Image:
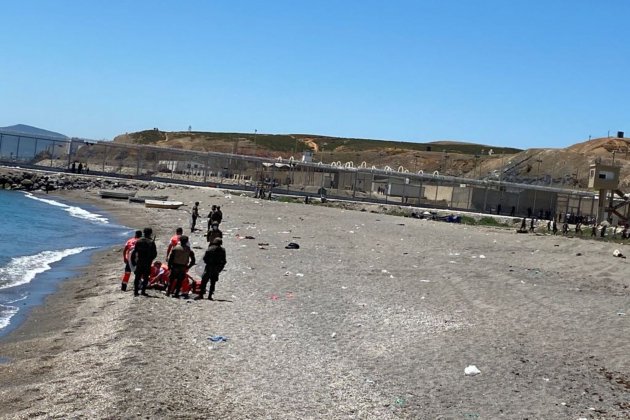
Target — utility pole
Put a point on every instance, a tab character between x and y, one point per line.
537	175
255	145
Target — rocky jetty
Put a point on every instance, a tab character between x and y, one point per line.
33	180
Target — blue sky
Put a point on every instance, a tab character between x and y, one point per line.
509	73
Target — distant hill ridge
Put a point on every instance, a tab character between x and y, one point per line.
32	131
296	143
567	167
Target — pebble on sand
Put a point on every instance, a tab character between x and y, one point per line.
472	370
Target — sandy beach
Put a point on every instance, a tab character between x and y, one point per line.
375	316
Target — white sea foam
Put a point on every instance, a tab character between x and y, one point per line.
18	299
21	270
74	211
6	313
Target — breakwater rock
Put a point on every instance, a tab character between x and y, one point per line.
33	180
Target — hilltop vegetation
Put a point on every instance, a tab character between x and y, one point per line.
566	167
272	144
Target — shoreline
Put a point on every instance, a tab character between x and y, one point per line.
374	316
71	267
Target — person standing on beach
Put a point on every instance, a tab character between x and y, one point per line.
195	216
142	256
180	260
215	261
214	232
174	241
219	216
210	215
129	246
216	216
46	184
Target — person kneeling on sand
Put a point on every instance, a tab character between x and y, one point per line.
142	257
215	262
180	260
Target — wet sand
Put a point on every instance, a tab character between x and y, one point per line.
375	316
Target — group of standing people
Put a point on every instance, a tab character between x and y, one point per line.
140	251
74	168
215	216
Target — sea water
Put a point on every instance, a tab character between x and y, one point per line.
44	240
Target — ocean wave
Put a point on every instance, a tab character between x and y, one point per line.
6	313
18	299
74	211
21	270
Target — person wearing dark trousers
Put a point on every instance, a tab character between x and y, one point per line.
195	216
180	260
211	215
143	254
215	261
127	251
216	216
214	232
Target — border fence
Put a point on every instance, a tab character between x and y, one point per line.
289	176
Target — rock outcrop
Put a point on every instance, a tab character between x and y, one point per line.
31	180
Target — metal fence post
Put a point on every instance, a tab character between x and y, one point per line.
138	151
485	200
104	158
437	187
69	154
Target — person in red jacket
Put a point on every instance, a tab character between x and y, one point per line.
174	241
131	242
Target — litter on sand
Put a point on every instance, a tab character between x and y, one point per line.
218	338
243	237
472	370
618	254
292	245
